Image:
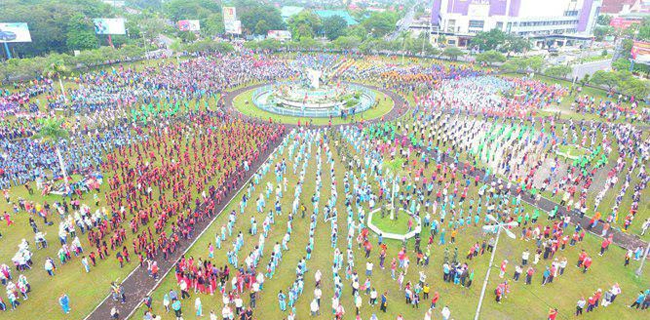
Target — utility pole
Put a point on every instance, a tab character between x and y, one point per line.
499	226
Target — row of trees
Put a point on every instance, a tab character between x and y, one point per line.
53	22
370	45
622	81
308	24
497	40
61	63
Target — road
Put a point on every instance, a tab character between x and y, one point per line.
404	23
590	68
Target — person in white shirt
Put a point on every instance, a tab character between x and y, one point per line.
314	307
226	313
317	277
317	295
446	313
427	315
369	266
239	304
198	306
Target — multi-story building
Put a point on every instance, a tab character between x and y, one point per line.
545	22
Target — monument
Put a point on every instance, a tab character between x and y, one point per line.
314	77
308	97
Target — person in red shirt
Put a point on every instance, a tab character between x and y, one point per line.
552	314
586	264
434	300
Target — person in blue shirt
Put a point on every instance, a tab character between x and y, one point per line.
639	300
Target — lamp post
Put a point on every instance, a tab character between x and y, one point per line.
639	271
491	228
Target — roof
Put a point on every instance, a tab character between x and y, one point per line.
341	13
615	6
288	11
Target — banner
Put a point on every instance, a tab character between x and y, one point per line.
641	52
279	35
109	26
14	32
230	22
229	14
189	25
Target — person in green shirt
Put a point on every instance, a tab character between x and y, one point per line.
535	215
470	278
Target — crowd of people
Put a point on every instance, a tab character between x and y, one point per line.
159	154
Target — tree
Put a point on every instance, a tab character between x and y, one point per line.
490	40
146	4
347	43
52	132
453	53
644	29
190	9
262	27
379	24
490	57
559	71
305	24
632	86
357	31
605	78
621	64
514	65
600	32
266	44
152	27
213	25
48	21
252	15
81	33
208	45
535	63
334	27
604	20
515	44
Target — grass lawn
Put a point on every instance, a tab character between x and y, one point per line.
244	104
523	302
399	225
571	152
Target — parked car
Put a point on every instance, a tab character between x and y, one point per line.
7	35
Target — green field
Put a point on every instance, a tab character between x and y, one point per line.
399	225
562	294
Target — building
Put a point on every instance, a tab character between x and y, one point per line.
545	22
624	7
324	14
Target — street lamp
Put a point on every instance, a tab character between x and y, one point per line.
491	228
639	271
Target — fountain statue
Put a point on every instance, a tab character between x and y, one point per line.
314	78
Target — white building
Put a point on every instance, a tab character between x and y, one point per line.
547	22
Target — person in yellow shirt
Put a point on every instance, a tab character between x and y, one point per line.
425	291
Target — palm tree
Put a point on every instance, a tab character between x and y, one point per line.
56	70
53	132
